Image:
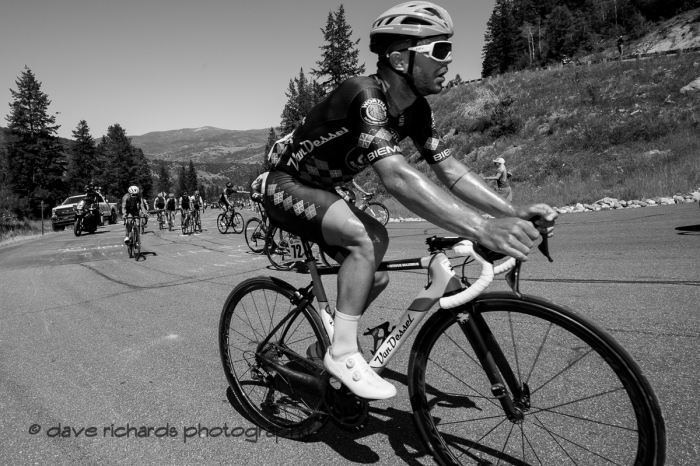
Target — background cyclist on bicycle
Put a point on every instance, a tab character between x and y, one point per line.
196	202
159	202
224	200
184	204
133	204
348	194
170	208
360	124
257	194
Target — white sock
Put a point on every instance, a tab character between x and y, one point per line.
344	335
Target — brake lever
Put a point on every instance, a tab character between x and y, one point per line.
544	244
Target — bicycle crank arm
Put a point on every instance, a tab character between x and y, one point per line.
307	380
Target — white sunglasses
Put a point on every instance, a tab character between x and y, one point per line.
440	50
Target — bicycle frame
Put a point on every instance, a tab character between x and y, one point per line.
442	282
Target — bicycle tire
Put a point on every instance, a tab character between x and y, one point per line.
378	211
237	223
130	245
137	243
254	236
588	379
221	223
277	249
252	310
198	223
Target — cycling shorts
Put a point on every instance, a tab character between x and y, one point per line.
301	210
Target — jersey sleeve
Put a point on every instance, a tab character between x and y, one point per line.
375	138
425	136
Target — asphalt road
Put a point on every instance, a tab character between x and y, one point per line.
92	339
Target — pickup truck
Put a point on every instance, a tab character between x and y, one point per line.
64	214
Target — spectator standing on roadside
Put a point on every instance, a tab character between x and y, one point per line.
501	178
620	43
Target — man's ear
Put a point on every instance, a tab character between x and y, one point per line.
396	61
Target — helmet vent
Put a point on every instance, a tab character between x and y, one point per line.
416	21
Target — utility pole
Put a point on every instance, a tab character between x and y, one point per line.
42	217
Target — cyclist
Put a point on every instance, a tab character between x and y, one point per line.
224	198
170	208
196	202
257	192
159	202
359	125
133	204
185	205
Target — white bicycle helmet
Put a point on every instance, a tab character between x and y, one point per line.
133	189
415	20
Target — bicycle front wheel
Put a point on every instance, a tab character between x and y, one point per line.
378	211
587	401
278	250
237	223
137	244
221	223
254	236
274	402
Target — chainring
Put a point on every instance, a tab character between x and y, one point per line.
347	410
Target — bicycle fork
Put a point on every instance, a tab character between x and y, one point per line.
494	363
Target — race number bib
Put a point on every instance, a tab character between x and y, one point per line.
295	248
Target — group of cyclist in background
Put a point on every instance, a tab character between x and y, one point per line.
164	205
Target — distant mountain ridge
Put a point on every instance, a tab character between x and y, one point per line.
204	145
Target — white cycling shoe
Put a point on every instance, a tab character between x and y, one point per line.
126	240
354	372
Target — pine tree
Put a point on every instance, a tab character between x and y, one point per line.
339	54
34	158
271	139
181	181
124	165
191	177
82	158
500	52
302	95
164	183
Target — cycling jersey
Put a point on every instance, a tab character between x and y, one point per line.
159	203
170	203
185	202
132	205
224	195
351	129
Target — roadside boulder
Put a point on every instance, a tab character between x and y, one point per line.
693	86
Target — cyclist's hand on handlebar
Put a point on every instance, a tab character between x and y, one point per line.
511	236
543	214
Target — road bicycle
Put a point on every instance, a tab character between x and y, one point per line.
186	222
493	378
374	208
255	232
160	214
133	247
229	219
196	220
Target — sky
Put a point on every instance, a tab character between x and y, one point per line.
158	65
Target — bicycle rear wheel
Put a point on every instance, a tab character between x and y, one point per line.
378	211
274	402
589	403
254	235
237	223
221	223
277	248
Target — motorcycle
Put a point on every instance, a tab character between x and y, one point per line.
86	218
